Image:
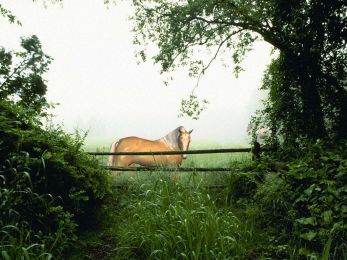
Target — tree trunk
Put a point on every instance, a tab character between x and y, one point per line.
302	70
342	117
313	121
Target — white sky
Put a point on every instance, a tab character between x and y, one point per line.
101	88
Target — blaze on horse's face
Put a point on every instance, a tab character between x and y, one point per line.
184	140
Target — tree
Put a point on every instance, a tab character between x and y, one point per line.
307	81
21	75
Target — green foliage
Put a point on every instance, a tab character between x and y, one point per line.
48	188
71	174
239	187
21	75
273	210
59	165
7	14
171	220
319	200
305	206
192	107
272	198
32	225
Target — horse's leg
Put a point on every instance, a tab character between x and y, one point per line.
119	161
123	161
132	173
175	176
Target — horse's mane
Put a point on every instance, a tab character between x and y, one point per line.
171	139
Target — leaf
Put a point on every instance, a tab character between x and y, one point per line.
5	255
307	221
309	235
327	216
304	251
326	250
310	189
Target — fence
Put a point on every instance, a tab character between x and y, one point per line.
255	150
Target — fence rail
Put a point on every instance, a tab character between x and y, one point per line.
167	169
231	150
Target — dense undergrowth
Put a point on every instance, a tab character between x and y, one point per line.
49	188
302	205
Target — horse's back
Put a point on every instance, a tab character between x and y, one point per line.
137	144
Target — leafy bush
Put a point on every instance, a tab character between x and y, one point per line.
241	186
306	206
32	225
272	200
69	172
49	186
319	197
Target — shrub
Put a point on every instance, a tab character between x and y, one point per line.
49	185
319	197
305	206
32	225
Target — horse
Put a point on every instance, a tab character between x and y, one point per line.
176	140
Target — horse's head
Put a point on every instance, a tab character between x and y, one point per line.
184	140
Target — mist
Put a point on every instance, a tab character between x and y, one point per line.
100	87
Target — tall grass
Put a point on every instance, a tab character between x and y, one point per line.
32	226
17	243
170	220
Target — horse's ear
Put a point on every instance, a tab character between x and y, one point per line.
182	130
190	131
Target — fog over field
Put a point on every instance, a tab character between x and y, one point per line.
101	88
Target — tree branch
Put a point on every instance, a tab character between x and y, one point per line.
215	56
248	26
14	72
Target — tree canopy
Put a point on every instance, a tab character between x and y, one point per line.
21	74
306	81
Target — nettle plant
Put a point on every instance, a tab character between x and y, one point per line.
319	196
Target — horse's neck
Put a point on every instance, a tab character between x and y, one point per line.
171	139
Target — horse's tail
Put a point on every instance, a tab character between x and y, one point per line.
110	161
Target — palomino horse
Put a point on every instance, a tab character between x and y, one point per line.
176	140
